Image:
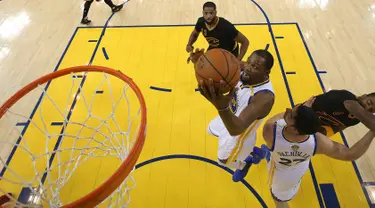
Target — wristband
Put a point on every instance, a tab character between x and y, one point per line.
223	109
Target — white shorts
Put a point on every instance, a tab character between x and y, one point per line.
232	148
285	182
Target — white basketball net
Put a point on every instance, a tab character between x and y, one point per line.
67	151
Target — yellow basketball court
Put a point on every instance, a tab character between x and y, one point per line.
177	166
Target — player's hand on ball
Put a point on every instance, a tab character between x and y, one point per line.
216	95
194	56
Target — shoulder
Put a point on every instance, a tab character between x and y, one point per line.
200	21
270	125
322	143
348	94
222	19
263	99
264	94
263	102
269	130
341	93
265	87
225	22
333	97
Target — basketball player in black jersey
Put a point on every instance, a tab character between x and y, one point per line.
339	109
87	6
219	33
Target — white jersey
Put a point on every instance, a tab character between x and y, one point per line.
289	162
240	101
238	147
243	96
291	155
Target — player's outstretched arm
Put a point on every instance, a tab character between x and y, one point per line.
244	45
192	38
367	118
341	152
259	106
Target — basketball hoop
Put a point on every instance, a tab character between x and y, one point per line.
96	126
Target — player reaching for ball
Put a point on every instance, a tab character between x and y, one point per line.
240	112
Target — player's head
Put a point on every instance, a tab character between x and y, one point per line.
302	120
368	102
258	65
209	12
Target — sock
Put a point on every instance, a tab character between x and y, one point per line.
109	3
86	9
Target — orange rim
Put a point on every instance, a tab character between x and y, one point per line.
103	191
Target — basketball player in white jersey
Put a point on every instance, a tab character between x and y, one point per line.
241	112
292	142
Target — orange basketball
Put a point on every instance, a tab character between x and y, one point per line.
218	64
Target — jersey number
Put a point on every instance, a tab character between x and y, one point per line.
288	162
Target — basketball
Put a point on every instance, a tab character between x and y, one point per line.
218	64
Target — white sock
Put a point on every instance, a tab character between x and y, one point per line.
236	164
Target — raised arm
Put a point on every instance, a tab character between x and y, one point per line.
193	37
259	106
240	38
341	152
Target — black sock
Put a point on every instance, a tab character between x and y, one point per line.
86	9
109	3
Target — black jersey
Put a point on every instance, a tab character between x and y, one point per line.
219	35
331	109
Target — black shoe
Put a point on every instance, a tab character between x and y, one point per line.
85	21
117	8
